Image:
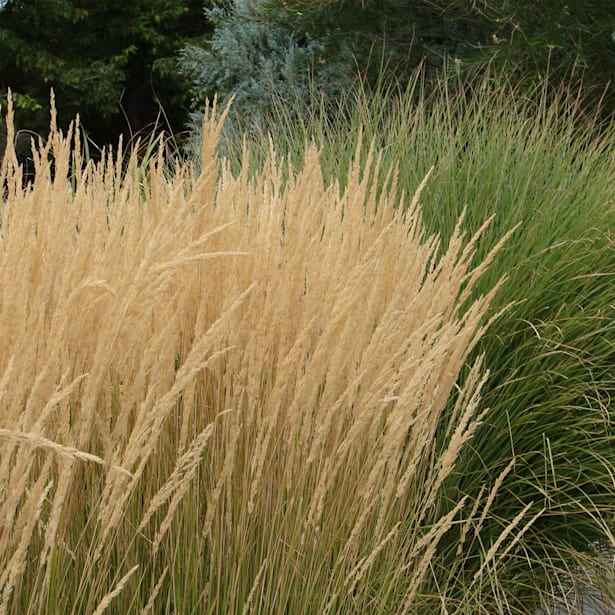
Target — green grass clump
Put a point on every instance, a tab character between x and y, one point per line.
541	163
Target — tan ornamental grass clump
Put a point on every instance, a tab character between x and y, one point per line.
226	394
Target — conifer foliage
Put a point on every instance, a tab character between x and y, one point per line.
111	62
259	57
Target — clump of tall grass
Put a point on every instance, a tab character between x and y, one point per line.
252	392
540	161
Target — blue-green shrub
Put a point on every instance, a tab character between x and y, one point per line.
262	60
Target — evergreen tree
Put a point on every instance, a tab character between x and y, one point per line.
261	58
111	61
571	41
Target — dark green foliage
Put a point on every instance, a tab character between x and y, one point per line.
396	34
572	42
111	62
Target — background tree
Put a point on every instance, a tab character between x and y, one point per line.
262	58
571	41
112	62
266	52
